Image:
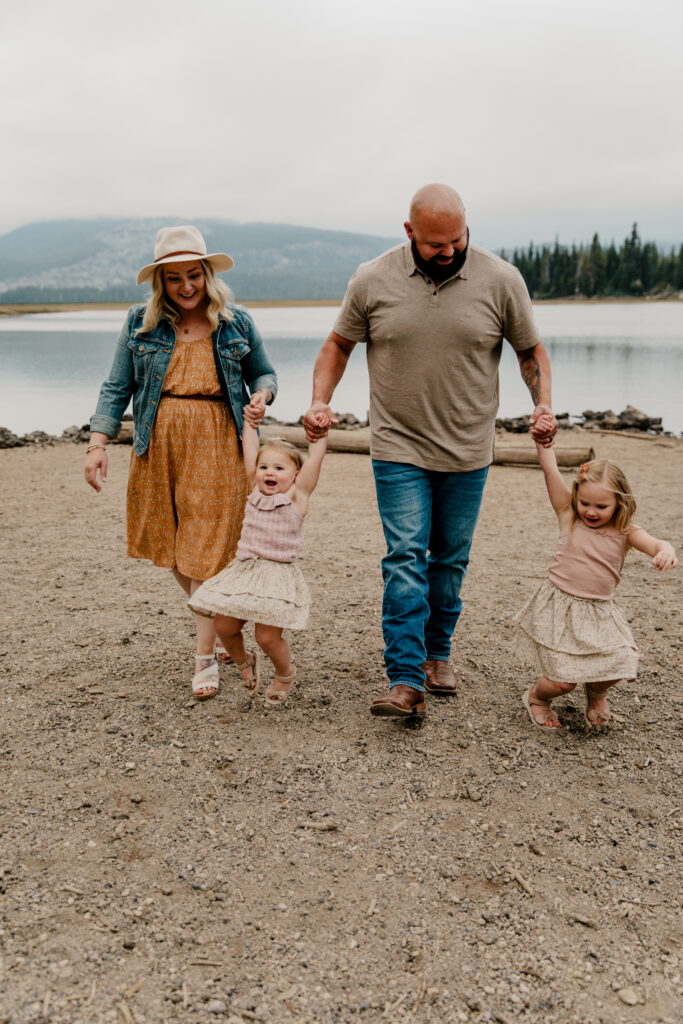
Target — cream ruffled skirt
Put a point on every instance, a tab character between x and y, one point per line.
258	590
575	640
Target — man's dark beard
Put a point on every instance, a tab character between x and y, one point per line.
439	272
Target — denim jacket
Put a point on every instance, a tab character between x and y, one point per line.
141	360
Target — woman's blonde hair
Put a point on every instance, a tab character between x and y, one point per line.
608	475
159	306
286	447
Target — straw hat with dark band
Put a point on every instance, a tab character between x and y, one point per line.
178	245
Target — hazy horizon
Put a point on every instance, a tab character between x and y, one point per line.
390	240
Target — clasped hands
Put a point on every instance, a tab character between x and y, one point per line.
319	418
256	410
543	426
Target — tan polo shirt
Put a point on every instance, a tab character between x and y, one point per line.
433	353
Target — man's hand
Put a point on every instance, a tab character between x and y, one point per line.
543	425
318	420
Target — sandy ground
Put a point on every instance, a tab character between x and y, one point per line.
164	860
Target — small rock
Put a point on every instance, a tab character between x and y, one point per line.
216	1006
136	798
129	944
628	996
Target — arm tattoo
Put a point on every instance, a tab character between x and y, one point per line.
531	374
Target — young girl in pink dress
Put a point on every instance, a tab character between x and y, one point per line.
262	583
571	629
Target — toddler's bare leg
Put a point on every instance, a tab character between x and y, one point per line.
271	640
229	631
597	712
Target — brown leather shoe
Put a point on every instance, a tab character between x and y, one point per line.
401	702
440	679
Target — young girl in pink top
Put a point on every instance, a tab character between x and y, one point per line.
571	629
262	583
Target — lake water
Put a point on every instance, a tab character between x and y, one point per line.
603	356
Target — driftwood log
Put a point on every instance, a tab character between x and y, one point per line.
358	442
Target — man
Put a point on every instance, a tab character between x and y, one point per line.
433	313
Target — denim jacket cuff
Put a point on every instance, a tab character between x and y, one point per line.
266	380
104	424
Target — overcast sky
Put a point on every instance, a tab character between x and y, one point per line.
550	118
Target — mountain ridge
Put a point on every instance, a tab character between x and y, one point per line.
98	259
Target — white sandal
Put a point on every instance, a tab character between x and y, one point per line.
206	678
253	661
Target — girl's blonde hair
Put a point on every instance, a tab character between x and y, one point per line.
286	447
608	475
159	307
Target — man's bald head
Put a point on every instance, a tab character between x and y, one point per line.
438	230
437	201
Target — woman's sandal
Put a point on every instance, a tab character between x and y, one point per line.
604	716
205	682
277	697
252	666
222	655
528	701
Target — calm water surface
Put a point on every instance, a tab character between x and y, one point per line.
603	356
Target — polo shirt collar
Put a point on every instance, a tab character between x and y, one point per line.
412	267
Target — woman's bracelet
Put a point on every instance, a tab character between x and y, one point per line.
92	447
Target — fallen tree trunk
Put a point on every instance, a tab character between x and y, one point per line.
358	442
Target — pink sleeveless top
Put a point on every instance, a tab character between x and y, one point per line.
271	529
588	562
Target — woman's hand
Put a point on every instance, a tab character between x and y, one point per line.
256	410
95	461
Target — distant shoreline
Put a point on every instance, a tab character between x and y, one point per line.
26	308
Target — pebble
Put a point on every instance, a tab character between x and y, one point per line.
216	1006
628	996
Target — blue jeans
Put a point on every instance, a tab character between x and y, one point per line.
422	510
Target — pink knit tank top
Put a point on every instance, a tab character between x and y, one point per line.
271	529
588	562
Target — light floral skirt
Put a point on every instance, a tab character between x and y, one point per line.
574	639
258	590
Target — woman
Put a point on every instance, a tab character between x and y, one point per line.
195	367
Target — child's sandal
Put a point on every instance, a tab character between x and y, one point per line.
530	702
250	670
277	697
205	681
603	716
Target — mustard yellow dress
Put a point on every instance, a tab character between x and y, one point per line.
186	494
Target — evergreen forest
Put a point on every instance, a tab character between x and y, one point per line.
636	268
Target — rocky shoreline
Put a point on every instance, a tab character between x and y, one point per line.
630	419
